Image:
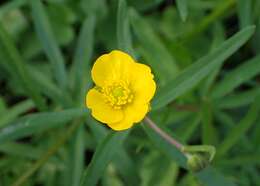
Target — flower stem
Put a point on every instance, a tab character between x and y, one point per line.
163	134
198	156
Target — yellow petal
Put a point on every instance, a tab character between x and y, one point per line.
132	114
101	111
113	66
142	83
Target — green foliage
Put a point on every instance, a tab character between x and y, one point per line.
205	58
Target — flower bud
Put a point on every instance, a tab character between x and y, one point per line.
197	162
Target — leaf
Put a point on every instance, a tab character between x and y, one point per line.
154	51
183	9
81	61
125	166
45	34
238	99
241	128
211	177
11	113
22	150
209	132
102	157
244	9
2	105
47	87
165	147
11	58
241	74
76	158
34	123
124	39
191	76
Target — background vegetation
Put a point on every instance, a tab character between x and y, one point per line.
205	57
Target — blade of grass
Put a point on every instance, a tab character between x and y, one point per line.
182	8
49	88
81	61
122	161
238	99
52	150
34	123
124	40
228	122
211	177
126	168
2	105
244	9
241	128
241	74
209	133
11	113
102	157
50	46
242	160
11	57
76	166
191	76
153	48
22	150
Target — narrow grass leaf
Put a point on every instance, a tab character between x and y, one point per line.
238	76
242	160
104	153
81	61
244	9
237	99
48	87
10	56
182	8
28	151
123	163
2	105
209	132
50	46
34	123
190	77
241	128
126	168
11	113
76	158
211	177
124	40
154	51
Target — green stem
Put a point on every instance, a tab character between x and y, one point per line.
187	150
163	134
52	150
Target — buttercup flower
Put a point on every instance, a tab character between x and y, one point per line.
123	91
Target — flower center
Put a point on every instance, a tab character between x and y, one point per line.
117	94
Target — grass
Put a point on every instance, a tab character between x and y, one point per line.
205	58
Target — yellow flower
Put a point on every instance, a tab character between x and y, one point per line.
123	90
